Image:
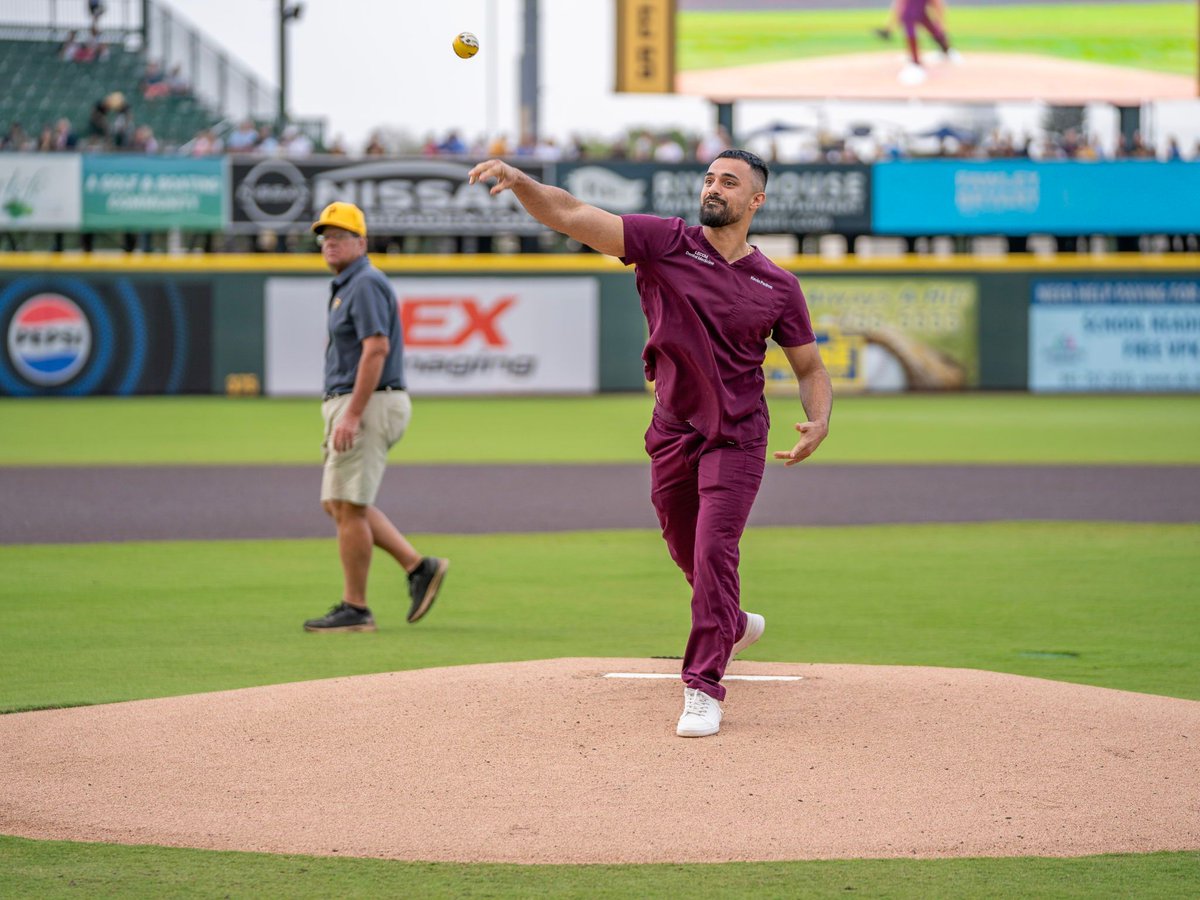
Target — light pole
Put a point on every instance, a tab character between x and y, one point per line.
287	13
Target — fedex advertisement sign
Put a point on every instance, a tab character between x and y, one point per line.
461	335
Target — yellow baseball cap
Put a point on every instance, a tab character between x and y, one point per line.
342	215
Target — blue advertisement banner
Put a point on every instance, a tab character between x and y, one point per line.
153	193
1023	197
77	336
1115	335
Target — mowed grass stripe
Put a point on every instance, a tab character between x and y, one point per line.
54	869
967	428
1102	604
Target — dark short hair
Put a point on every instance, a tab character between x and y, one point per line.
753	160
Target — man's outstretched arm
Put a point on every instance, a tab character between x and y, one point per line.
555	208
816	396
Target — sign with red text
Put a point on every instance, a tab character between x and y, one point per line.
461	335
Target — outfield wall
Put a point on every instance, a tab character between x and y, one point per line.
126	325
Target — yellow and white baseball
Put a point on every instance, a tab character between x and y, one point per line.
466	45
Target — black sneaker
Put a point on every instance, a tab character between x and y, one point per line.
424	582
343	617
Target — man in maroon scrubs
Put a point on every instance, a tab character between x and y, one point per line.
929	14
711	300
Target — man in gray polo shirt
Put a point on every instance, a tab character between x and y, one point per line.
366	410
711	299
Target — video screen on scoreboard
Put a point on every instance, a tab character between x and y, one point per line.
1064	52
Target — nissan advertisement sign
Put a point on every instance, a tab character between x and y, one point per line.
398	196
801	199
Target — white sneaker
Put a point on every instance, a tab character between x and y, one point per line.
701	714
755	626
954	57
912	74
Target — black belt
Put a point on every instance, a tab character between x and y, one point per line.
329	395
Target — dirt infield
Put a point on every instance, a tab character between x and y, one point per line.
980	76
67	505
548	762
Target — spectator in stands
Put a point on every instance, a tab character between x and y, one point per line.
546	149
242	139
97	130
1137	148
120	122
110	121
668	151
94	48
295	143
577	148
17	140
453	145
96	11
205	143
154	81
177	85
337	148
268	144
45	141
70	49
1174	154
713	145
375	146
64	136
641	146
499	147
1090	150
144	140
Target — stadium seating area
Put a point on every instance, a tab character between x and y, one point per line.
38	87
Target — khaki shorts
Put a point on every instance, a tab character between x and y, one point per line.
355	475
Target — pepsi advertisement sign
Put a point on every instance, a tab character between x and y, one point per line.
49	339
82	336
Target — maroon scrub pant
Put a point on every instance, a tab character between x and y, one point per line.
702	491
910	30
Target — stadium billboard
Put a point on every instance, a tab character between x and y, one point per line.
76	336
152	193
1023	197
1057	51
461	335
397	196
1114	335
801	199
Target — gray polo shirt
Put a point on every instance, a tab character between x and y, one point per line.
361	304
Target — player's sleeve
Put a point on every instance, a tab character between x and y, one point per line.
374	307
648	238
794	326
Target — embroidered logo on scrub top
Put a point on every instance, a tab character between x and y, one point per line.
758	280
700	256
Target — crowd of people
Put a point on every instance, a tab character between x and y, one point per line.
111	127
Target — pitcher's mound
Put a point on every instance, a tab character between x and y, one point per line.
549	762
980	76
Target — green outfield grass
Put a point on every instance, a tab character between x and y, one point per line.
969	428
1095	603
53	869
1156	36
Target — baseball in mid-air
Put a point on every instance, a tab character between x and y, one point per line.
466	45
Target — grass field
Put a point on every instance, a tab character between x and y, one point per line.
1095	603
1157	36
992	428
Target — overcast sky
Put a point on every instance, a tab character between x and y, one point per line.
362	64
